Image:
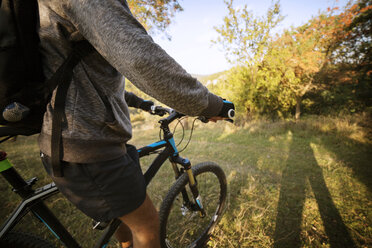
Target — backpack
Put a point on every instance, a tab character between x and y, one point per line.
21	77
24	92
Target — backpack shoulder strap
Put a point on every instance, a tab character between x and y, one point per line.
62	78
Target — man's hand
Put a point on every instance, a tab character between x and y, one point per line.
146	105
227	112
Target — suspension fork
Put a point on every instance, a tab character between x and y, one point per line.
185	163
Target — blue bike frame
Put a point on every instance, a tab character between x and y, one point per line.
33	199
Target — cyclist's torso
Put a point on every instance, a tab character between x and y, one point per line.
91	132
111	28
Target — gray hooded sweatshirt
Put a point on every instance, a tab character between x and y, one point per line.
91	131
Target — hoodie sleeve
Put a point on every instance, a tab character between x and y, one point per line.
115	33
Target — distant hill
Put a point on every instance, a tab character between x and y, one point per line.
209	79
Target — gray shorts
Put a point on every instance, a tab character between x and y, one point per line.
103	190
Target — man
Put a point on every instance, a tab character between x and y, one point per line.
101	175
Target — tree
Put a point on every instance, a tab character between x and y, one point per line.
155	15
244	36
245	39
327	41
298	55
350	57
353	39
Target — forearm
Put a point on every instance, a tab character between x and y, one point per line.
137	102
132	100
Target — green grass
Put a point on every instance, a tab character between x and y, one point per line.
305	184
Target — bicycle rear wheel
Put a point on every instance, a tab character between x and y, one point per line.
180	225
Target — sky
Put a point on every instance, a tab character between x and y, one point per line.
192	29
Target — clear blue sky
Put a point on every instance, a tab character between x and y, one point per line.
192	30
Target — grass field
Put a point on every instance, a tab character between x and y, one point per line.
304	184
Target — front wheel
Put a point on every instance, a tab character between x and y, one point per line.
181	224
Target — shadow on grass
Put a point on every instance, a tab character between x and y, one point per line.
292	199
357	160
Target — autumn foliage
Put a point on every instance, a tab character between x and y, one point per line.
155	15
322	66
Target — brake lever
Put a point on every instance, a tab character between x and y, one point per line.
152	110
161	113
203	119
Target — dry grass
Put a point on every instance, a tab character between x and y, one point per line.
304	184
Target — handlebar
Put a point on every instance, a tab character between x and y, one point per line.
161	111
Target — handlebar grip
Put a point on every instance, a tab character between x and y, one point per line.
152	109
146	105
228	110
231	113
158	110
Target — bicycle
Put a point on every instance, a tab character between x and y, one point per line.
188	214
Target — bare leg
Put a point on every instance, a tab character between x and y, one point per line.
124	236
144	224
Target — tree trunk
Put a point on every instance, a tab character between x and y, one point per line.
298	108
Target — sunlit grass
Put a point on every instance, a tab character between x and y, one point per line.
304	184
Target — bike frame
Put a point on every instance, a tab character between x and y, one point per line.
33	199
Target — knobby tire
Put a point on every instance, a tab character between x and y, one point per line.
186	228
